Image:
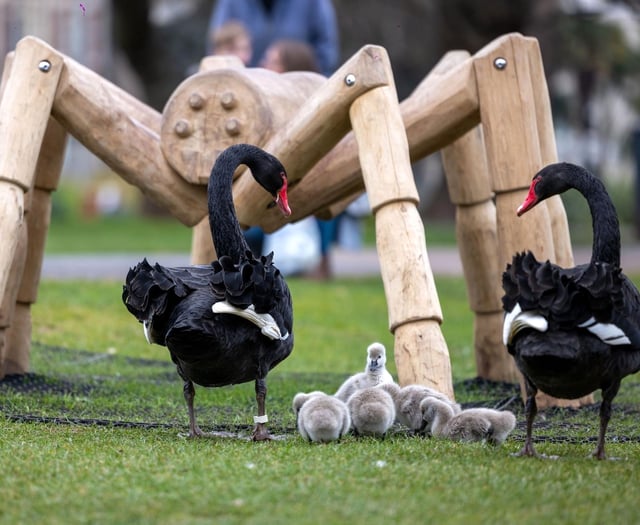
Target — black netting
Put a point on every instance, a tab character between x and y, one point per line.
78	387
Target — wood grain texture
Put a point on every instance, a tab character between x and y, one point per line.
412	299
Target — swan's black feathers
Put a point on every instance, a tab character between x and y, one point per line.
232	282
150	290
268	284
627	317
254	281
570	297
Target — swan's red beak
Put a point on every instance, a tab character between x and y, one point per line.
282	199
530	201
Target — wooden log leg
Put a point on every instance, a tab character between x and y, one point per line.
25	283
25	106
477	243
422	357
415	315
8	61
8	303
491	362
202	250
420	350
11	221
18	335
38	216
37	220
469	184
22	290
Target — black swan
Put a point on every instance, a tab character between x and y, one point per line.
572	330
229	322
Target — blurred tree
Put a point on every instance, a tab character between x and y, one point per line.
470	25
132	32
162	51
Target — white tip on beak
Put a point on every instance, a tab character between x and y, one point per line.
145	329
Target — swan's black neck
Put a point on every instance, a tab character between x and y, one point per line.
606	229
228	238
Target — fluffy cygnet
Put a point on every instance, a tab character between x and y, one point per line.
372	411
472	424
375	373
407	401
321	417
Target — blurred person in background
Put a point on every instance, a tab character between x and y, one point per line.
310	21
232	38
290	55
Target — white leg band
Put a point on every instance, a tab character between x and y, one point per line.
260	419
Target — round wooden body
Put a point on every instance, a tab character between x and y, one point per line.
214	109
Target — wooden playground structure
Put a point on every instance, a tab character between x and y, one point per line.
489	113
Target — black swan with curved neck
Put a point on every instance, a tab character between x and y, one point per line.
572	330
229	322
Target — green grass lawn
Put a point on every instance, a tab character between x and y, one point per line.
105	235
93	366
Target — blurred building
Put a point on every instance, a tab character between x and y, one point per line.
81	30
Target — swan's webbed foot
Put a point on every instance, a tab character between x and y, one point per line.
600	454
528	450
260	433
195	433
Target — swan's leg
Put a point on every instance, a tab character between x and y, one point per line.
531	409
189	393
260	432
608	393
